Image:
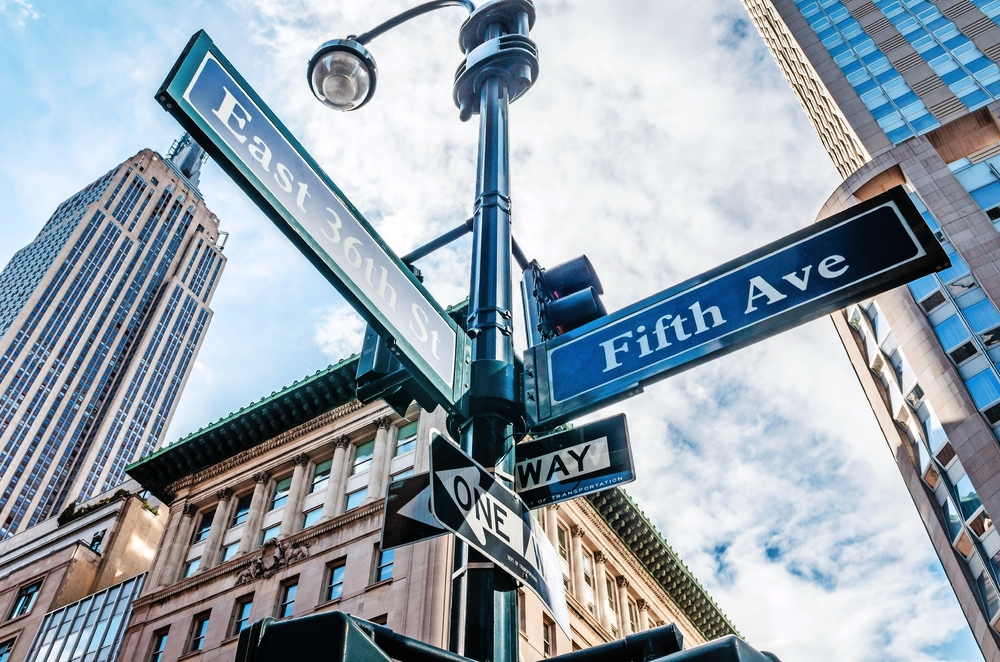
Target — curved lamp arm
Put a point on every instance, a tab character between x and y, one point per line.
411	13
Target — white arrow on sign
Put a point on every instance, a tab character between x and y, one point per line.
419	509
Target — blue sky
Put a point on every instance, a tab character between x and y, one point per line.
660	140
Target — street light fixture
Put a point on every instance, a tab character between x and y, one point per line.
342	73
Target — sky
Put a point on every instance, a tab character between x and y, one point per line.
660	140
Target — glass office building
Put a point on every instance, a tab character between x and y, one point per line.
905	92
101	318
89	630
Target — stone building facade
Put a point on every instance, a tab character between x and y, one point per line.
277	511
109	540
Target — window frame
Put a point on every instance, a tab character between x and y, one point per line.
367	462
237	512
320	481
158	645
380	565
409	440
201	532
278	495
329	584
202	619
263	532
283	602
30	590
9	644
234	630
190	567
363	491
548	637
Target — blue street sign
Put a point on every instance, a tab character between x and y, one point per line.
206	94
571	463
877	245
468	501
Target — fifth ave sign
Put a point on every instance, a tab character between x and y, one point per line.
874	246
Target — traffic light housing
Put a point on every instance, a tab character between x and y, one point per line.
560	299
381	375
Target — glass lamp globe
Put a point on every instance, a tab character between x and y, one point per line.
342	74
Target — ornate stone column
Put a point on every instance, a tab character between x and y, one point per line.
552	525
180	543
335	485
251	528
643	607
219	523
577	550
600	578
379	456
290	520
626	624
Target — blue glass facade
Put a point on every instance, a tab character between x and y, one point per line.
91	346
896	108
89	630
972	76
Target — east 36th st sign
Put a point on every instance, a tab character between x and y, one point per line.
206	94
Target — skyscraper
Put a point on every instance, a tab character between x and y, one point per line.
904	92
101	318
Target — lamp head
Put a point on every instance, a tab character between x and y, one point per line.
342	74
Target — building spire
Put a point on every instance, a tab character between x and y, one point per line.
187	156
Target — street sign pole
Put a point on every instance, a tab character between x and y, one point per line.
484	598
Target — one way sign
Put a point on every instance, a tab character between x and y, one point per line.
408	518
468	501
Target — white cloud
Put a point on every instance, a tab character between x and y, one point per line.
340	333
18	12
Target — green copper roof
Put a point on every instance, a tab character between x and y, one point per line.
639	534
279	412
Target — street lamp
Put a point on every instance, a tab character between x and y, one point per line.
501	64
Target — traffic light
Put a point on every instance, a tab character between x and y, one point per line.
381	375
560	299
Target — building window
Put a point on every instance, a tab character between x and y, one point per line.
633	616
281	489
989	595
270	532
155	651
383	568
311	517
335	581
588	570
96	540
287	604
610	587
25	600
354	499
406	438
405	473
204	526
241	615
522	615
321	476
5	650
191	567
242	510
363	457
198	631
548	638
561	537
229	551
